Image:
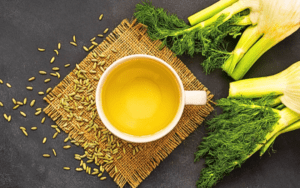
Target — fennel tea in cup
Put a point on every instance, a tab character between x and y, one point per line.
140	98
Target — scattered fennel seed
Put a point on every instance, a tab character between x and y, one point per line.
73	43
100	17
52	59
31	79
41	49
105	31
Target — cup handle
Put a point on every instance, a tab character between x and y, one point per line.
195	97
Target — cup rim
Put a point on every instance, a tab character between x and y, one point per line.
128	137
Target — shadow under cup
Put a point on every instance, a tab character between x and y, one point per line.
140	97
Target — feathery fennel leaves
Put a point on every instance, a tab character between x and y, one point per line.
266	23
209	40
242	129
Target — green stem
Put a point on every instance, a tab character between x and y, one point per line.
288	129
228	13
257	50
210	11
249	37
257	87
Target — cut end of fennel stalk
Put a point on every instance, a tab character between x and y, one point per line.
286	83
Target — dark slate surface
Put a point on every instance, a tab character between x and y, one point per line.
27	25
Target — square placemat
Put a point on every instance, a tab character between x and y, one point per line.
72	107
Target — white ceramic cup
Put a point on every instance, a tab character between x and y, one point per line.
186	98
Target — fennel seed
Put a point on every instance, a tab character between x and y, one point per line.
25	133
32	103
8	85
43	120
31	79
48	90
25	101
44	140
58	75
52	59
102	178
67	147
41	49
94	43
9	118
58	46
105	31
67	65
33	128
47	80
41	93
1	104
55	68
91	47
14	100
55	135
56	51
93	39
73	43
85	48
29	88
79	169
19	103
46	155
101	168
57	130
100	35
100	17
16	107
54	152
74	38
22	113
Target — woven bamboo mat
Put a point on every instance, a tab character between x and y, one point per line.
72	107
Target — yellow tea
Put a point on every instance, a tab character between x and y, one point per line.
140	97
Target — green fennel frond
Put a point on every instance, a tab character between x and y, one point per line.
184	39
234	136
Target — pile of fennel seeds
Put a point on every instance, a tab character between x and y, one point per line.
79	105
93	153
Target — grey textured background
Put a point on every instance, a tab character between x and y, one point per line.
27	25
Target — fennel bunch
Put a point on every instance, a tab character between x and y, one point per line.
262	24
245	127
253	117
206	38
